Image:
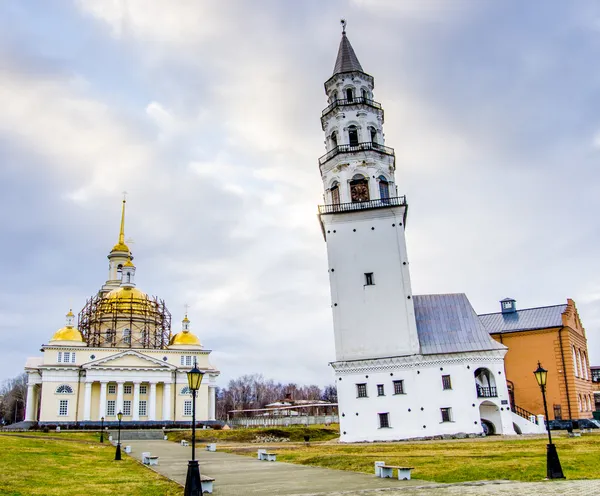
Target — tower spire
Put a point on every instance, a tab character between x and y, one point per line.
346	60
121	246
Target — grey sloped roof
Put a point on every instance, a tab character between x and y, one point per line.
447	323
347	60
526	319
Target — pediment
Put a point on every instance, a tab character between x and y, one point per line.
128	359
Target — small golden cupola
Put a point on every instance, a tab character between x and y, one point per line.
185	340
68	335
118	257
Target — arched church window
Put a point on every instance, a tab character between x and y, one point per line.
359	189
335	193
384	188
186	390
334	140
127	336
353	135
64	389
350	95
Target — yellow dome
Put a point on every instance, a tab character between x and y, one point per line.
67	334
128	300
129	263
120	247
184	337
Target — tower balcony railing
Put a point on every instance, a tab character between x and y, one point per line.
353	101
486	392
334	208
358	147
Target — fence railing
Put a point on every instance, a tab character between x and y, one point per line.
285	421
358	147
486	392
335	208
352	101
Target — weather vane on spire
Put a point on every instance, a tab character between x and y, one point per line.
343	23
124	195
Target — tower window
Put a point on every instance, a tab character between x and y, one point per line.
446	384
398	387
334	141
384	420
369	279
359	189
350	95
364	94
361	390
373	134
446	414
335	194
380	390
353	135
127	336
384	188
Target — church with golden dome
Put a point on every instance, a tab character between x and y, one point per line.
120	357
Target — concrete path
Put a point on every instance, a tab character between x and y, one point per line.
245	476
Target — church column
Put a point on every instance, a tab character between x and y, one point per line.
136	401
212	402
152	402
166	409
30	406
119	397
87	401
102	409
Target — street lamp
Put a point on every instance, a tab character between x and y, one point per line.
193	486
102	429
553	468
118	452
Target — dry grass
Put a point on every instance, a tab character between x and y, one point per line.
494	458
73	464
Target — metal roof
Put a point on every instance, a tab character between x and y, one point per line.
347	60
526	319
447	323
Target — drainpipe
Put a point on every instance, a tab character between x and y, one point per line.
175	396
562	354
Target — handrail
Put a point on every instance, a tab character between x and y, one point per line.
358	147
336	208
353	101
522	412
486	392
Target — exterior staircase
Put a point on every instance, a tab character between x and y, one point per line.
526	421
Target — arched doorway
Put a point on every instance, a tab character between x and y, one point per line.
491	422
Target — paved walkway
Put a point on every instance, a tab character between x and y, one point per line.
245	476
241	475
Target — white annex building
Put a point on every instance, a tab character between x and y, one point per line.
121	357
407	366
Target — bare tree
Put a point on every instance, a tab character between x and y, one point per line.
14	394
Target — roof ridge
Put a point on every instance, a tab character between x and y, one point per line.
524	309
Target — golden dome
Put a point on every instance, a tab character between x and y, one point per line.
120	247
70	314
129	263
67	334
184	337
128	300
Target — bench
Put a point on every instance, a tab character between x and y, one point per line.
211	447
207	483
184	443
152	460
387	471
264	455
127	449
145	456
574	434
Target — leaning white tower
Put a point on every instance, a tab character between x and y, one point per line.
363	221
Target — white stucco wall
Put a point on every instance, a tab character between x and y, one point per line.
424	397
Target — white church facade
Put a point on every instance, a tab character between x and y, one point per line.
121	357
407	366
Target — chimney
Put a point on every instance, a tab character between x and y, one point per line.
508	305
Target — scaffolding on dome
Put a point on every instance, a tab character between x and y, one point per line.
134	322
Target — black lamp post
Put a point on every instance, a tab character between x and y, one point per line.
102	429
193	486
553	468
118	452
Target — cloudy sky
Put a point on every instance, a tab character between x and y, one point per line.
207	113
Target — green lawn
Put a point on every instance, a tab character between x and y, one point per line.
73	464
522	459
248	435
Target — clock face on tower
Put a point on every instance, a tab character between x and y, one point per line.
359	191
